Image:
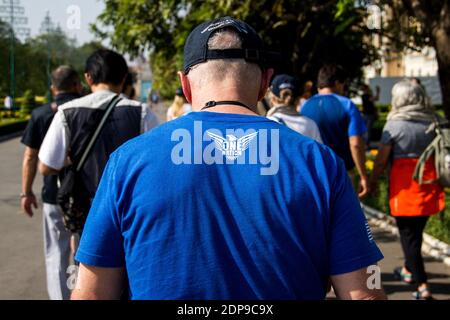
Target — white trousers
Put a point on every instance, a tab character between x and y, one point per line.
58	252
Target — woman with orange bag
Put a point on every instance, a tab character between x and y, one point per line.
405	136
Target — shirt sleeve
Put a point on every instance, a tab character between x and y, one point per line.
357	126
390	133
101	243
54	148
32	136
352	246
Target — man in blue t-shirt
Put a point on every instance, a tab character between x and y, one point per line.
222	203
340	123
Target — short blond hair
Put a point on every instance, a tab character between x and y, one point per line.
212	71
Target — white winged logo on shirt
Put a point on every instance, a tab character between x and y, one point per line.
232	147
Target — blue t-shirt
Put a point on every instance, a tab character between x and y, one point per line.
338	119
189	222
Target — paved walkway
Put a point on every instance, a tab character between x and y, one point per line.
438	273
22	272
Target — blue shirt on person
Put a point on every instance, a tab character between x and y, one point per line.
196	229
338	119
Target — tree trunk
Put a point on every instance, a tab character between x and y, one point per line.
442	46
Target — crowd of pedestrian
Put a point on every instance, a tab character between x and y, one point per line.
189	209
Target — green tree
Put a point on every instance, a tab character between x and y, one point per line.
31	59
80	54
418	23
28	103
4	59
33	75
307	32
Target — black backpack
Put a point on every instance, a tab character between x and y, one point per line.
72	195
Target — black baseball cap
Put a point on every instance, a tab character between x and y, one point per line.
196	47
285	81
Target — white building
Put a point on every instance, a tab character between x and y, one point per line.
394	65
420	64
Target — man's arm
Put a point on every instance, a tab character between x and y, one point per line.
358	150
29	168
94	283
355	286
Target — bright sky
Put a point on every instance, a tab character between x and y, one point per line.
64	13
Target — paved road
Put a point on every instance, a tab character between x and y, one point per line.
22	273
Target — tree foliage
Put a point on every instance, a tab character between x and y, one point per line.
31	59
4	57
309	33
417	23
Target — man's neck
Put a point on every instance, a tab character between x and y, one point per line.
199	101
106	87
64	92
326	90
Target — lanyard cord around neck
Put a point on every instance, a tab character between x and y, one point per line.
211	104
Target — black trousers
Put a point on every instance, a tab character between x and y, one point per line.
411	237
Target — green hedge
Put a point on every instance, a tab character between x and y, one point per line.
13	127
28	103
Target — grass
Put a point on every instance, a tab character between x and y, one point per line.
380	199
439	225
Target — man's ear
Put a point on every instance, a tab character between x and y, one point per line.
122	84
265	82
88	78
185	84
339	87
53	90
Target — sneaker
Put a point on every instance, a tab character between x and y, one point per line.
422	294
399	274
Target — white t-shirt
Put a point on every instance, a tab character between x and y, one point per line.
8	102
296	122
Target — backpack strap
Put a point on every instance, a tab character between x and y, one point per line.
109	108
433	148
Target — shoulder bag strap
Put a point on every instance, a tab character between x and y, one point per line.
115	100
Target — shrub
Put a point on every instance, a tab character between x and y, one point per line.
28	103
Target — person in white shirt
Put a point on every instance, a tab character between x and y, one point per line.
284	96
179	107
8	103
74	123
